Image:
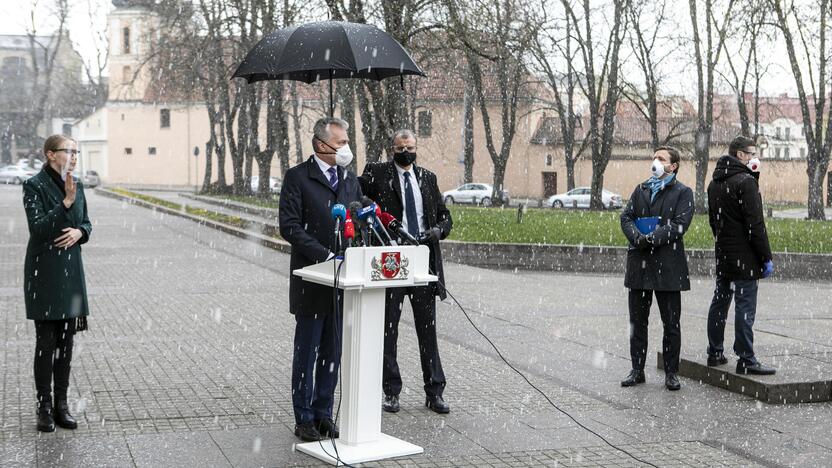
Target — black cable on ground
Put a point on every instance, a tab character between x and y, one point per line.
542	393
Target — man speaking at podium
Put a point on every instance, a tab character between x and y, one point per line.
411	194
309	192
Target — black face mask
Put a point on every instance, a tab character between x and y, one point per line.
405	158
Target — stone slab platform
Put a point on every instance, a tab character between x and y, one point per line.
800	378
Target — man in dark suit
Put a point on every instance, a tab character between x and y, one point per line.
309	191
411	194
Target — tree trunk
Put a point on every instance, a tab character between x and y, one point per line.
700	156
468	131
570	173
817	174
206	179
499	179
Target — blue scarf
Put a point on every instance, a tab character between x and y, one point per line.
656	185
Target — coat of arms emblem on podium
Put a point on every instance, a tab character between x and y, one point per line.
389	266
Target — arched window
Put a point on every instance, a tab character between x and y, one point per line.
125	40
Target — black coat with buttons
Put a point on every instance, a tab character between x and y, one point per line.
662	265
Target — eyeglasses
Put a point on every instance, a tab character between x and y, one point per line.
69	151
400	149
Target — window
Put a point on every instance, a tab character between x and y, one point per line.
128	151
122	117
802	152
126	74
786	152
777	133
549	159
66	129
776	152
151	150
164	118
425	121
788	132
125	41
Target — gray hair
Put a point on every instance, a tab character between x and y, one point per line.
403	133
321	129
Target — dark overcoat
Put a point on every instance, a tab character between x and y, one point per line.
735	212
54	285
306	201
380	182
662	266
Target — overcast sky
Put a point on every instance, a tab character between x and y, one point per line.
681	76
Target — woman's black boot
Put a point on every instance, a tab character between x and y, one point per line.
46	419
62	416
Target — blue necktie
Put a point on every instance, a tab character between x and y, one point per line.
333	178
410	207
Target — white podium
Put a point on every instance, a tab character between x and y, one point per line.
365	274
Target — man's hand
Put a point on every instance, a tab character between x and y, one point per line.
69	237
643	242
434	234
70	188
768	269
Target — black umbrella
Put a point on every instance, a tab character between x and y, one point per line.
326	50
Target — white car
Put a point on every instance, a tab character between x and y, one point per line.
15	174
274	183
477	194
581	196
25	163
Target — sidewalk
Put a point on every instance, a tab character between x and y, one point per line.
188	358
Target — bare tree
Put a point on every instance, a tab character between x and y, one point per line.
706	62
43	53
745	64
554	46
602	90
810	56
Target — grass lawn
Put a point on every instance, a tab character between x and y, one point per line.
212	215
270	202
548	226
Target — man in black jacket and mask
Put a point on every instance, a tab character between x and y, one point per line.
656	262
411	194
743	254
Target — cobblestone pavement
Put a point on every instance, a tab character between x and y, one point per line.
188	358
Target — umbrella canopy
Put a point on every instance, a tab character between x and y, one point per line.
326	50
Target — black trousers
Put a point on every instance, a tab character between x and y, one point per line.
53	355
670	308
423	301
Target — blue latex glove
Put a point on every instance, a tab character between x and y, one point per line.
768	269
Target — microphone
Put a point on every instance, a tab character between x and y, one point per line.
368	215
355	207
339	214
380	227
394	225
349	231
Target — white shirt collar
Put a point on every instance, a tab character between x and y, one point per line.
401	171
323	165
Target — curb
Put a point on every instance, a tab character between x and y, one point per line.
264	240
268	213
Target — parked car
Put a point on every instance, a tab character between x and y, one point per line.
92	179
25	163
581	196
15	174
476	193
274	183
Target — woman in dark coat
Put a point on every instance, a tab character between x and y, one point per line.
54	285
656	262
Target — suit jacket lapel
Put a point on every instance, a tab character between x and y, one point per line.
393	175
315	173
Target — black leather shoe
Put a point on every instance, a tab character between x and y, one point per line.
62	416
307	432
46	419
635	377
671	381
754	368
437	404
390	403
717	360
328	429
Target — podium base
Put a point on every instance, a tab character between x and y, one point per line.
385	447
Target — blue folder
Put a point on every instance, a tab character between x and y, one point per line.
647	225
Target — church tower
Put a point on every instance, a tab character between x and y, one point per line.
130	28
